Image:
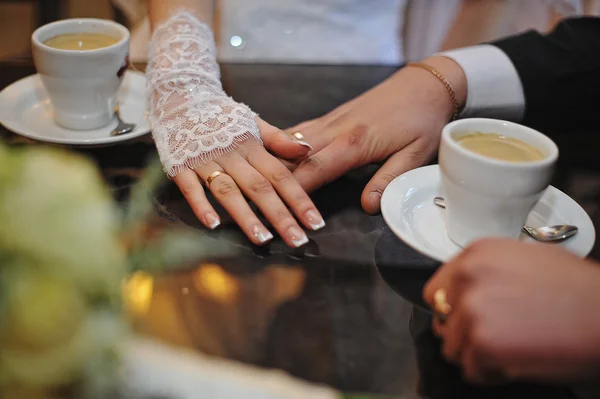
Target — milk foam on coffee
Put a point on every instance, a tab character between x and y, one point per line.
500	147
81	41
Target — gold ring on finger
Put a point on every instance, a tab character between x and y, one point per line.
298	136
440	305
213	176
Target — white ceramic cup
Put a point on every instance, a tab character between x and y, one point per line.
82	84
486	197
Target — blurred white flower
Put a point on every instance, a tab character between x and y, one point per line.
59	213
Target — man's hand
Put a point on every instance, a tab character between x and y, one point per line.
520	311
398	121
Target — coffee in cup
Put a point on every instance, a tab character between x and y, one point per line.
500	147
81	63
81	41
493	174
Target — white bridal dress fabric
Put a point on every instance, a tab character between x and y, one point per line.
296	31
387	32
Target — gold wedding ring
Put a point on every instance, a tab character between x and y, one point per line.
298	136
213	176
440	305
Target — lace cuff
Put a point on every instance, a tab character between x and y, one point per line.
193	120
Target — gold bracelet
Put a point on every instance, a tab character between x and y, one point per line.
444	81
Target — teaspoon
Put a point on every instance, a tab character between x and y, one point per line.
545	233
122	127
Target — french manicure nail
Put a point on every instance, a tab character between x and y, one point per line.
299	138
297	236
212	220
305	144
315	220
261	234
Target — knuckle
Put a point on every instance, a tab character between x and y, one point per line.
227	188
249	148
418	156
357	135
260	185
302	203
313	164
187	190
282	215
281	175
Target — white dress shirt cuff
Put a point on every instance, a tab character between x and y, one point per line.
494	89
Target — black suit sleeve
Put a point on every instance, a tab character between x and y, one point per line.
560	73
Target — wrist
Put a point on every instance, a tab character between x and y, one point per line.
441	82
450	70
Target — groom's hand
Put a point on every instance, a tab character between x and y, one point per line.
399	122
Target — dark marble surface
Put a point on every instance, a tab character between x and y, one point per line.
338	311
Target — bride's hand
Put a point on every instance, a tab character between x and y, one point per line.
205	137
252	171
398	122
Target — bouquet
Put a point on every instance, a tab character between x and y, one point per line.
67	254
66	251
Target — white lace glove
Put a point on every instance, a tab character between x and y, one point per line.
193	120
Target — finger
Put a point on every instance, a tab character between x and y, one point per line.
288	188
441	279
454	333
259	189
318	132
229	195
291	166
192	190
443	307
470	366
444	279
328	164
301	126
323	120
408	158
280	143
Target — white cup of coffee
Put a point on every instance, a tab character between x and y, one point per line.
81	63
493	174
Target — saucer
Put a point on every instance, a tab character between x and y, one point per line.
408	209
26	110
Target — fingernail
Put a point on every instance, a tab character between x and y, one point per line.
297	236
261	234
299	138
374	199
315	220
305	144
211	220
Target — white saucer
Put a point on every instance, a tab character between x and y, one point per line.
25	109
408	209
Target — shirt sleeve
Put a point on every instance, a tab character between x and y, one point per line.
494	89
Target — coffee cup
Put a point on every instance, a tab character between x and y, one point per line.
490	187
82	79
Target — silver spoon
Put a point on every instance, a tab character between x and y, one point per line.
545	233
122	127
